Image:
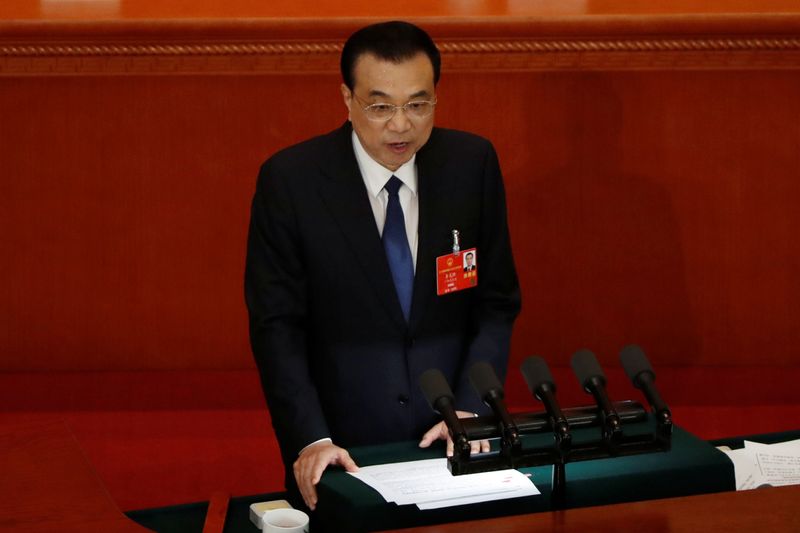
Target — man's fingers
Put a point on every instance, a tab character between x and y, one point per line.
302	476
346	462
439	431
307	488
316	471
474	447
428	438
310	497
311	464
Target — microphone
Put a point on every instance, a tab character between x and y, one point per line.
543	388
436	390
485	382
643	378
593	381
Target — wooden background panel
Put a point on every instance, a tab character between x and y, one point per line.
125	212
155	9
650	207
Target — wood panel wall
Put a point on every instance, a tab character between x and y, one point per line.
651	165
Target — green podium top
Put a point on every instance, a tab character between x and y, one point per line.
692	466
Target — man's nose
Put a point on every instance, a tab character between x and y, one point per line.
399	121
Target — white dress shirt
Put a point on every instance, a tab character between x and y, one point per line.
375	177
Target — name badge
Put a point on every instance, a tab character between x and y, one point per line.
456	271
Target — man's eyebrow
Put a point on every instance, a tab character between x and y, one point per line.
382	94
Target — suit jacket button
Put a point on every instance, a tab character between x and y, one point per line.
402	399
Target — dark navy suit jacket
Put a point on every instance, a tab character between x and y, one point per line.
335	355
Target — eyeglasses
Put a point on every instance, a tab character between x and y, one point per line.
383	112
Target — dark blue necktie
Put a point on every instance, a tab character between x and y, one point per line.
395	244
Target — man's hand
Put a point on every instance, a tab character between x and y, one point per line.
312	463
439	432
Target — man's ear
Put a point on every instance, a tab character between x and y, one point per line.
347	95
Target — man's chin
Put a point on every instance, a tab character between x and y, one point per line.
393	162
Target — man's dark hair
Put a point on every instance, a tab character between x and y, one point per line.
394	41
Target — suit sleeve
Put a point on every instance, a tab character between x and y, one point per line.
498	292
276	296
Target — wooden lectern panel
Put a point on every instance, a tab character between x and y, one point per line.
773	510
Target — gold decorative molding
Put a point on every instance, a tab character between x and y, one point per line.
322	56
637	45
209	49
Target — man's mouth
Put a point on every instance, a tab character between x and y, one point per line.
398	148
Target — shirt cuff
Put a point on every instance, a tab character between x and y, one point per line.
326	439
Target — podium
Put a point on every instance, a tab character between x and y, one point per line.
692	466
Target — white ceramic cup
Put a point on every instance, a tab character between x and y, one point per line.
285	521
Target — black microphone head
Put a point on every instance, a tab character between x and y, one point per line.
536	373
585	366
484	380
434	386
635	362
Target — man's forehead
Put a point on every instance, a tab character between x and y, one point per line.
382	77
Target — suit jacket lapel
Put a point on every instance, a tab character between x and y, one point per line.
345	195
432	216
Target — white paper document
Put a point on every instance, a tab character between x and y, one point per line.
430	485
766	464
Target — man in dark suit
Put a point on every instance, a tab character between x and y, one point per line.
341	278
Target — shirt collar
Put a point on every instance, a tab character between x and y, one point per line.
376	175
